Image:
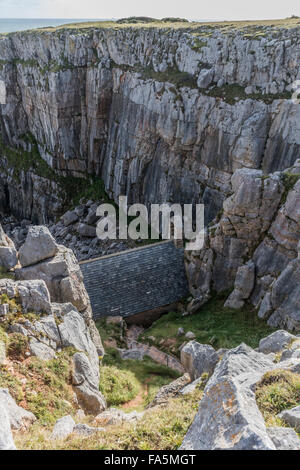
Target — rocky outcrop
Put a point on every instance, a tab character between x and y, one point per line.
60	271
228	416
160	115
253	247
198	359
52	287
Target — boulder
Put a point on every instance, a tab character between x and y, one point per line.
86	385
69	218
169	391
19	418
190	388
292	352
39	245
8	252
276	342
190	335
284	438
2	352
228	416
85	431
4	310
63	428
86	231
133	354
34	297
198	359
291	417
115	417
6	437
41	350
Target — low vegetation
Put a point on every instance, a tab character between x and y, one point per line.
160	429
5	275
132	381
278	390
213	324
71	189
42	387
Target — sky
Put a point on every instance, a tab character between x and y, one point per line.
191	9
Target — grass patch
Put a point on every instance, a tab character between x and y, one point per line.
118	386
42	387
277	391
5	274
160	429
146	377
213	324
235	92
289	180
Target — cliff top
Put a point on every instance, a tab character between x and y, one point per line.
250	28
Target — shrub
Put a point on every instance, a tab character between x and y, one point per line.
118	386
17	345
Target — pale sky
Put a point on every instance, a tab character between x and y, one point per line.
191	9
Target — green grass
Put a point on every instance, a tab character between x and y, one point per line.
278	390
121	381
213	324
118	386
5	274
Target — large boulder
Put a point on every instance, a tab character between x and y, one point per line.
8	252
63	428
276	342
198	359
86	385
6	437
292	417
39	245
18	417
228	417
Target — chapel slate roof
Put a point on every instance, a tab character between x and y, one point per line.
136	281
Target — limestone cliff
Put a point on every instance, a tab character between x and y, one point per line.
160	114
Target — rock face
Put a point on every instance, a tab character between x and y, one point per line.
253	247
194	113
